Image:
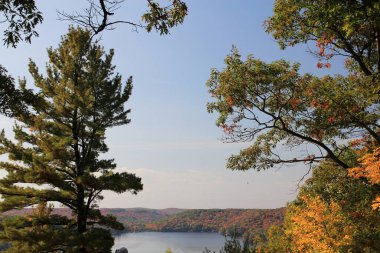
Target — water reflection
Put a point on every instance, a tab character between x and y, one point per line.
158	242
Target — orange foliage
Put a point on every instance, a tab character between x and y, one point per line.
316	226
369	169
309	92
314	102
376	203
357	142
324	105
331	119
323	45
229	101
294	102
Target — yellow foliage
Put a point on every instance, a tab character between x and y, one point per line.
317	226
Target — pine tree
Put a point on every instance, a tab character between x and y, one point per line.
58	145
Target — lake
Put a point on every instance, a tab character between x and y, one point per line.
158	242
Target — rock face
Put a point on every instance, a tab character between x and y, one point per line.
121	250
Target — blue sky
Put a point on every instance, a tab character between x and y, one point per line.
172	142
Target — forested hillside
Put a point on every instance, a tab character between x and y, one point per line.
188	220
220	220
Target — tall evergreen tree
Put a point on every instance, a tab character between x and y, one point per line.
59	141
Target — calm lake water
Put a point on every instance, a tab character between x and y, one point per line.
158	242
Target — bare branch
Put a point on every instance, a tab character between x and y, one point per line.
97	16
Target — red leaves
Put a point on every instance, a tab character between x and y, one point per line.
228	129
324	44
357	142
325	65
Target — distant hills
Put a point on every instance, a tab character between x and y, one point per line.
188	220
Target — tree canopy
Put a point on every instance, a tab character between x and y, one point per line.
329	122
59	141
98	16
272	104
21	17
338	27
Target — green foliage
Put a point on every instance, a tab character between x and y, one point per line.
39	231
276	240
13	100
163	18
160	16
8	93
234	245
22	16
344	27
59	140
272	104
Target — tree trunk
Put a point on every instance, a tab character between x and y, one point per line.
81	218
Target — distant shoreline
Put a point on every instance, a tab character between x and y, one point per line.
223	221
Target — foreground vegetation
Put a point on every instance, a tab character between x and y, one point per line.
334	120
332	213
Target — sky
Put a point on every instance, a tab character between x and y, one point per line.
172	142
